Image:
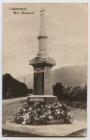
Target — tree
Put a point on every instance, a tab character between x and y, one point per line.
59	91
13	87
76	94
84	94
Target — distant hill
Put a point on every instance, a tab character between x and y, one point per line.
71	75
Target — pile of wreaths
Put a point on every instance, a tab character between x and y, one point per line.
39	113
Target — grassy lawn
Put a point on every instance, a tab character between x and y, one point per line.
8	110
79	114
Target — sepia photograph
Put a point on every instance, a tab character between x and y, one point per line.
44	69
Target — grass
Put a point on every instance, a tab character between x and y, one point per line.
8	110
79	114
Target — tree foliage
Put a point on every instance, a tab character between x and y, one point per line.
13	88
70	93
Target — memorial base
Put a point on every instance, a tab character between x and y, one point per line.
42	98
50	130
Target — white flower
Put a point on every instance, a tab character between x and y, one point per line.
50	117
30	109
24	122
26	116
68	113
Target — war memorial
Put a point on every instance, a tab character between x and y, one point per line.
42	115
42	65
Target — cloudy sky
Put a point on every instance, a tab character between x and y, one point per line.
66	26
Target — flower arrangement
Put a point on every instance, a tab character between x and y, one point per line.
40	113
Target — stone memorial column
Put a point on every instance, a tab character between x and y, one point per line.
42	63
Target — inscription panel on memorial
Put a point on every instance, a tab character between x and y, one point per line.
38	81
40	70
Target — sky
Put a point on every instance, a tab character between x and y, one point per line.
67	31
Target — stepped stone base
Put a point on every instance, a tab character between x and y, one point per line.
42	98
45	130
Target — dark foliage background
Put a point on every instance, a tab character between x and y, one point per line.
13	88
70	93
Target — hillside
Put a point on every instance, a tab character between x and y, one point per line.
71	75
